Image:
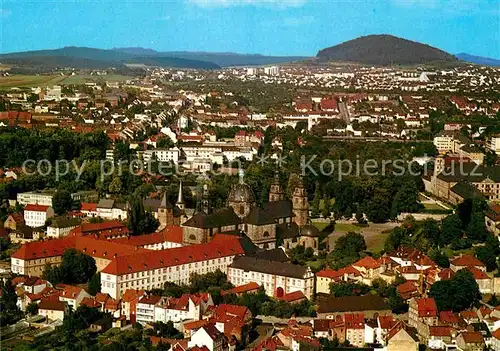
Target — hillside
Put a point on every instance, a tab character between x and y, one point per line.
478	60
223	59
384	50
82	57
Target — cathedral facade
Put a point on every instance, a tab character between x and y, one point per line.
260	223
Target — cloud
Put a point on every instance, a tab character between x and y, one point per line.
230	3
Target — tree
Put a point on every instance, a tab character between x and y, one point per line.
440	258
115	187
459	293
476	230
348	289
166	330
9	312
62	202
431	231
488	253
32	308
316	201
164	142
140	220
75	267
347	249
378	208
94	284
451	229
406	199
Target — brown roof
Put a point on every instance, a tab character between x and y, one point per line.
473	337
328	304
52	305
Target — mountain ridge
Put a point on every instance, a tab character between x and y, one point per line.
384	50
478	60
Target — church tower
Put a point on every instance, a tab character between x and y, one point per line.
165	212
276	192
180	199
300	205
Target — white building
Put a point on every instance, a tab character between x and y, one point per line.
60	227
494	144
277	278
34	197
444	143
145	309
162	155
149	271
208	336
36	215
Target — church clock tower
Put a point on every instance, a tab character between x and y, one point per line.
276	192
300	205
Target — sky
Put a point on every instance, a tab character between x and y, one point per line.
269	27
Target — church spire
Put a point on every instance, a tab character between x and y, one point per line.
180	198
276	192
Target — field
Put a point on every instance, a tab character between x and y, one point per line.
27	81
375	234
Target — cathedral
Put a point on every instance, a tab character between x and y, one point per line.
280	218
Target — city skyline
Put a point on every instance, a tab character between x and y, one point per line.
268	27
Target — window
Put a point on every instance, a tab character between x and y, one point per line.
266	233
242	209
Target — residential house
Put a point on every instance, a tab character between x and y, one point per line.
402	338
73	296
422	312
209	336
145	309
53	310
277	278
465	261
37	215
61	226
129	302
471	341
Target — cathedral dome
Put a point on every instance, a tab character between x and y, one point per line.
309	230
241	192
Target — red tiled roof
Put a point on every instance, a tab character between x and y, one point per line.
90	302
195	324
88	206
367	262
131	295
71	292
496	334
87	245
427	307
473	337
446	274
440	330
293	296
51	305
386	322
448	317
35	208
330	273
477	273
242	289
174	257
467	260
150	299
104	229
354	320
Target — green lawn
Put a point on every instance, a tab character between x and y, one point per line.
432	206
29	81
347	227
320	225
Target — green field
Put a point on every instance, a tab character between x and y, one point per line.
432	206
27	81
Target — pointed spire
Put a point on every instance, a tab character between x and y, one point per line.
180	198
164	201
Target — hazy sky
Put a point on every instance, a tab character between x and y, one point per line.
279	27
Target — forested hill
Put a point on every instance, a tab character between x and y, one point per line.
82	57
384	50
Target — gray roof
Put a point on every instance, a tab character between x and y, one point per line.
269	267
105	203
